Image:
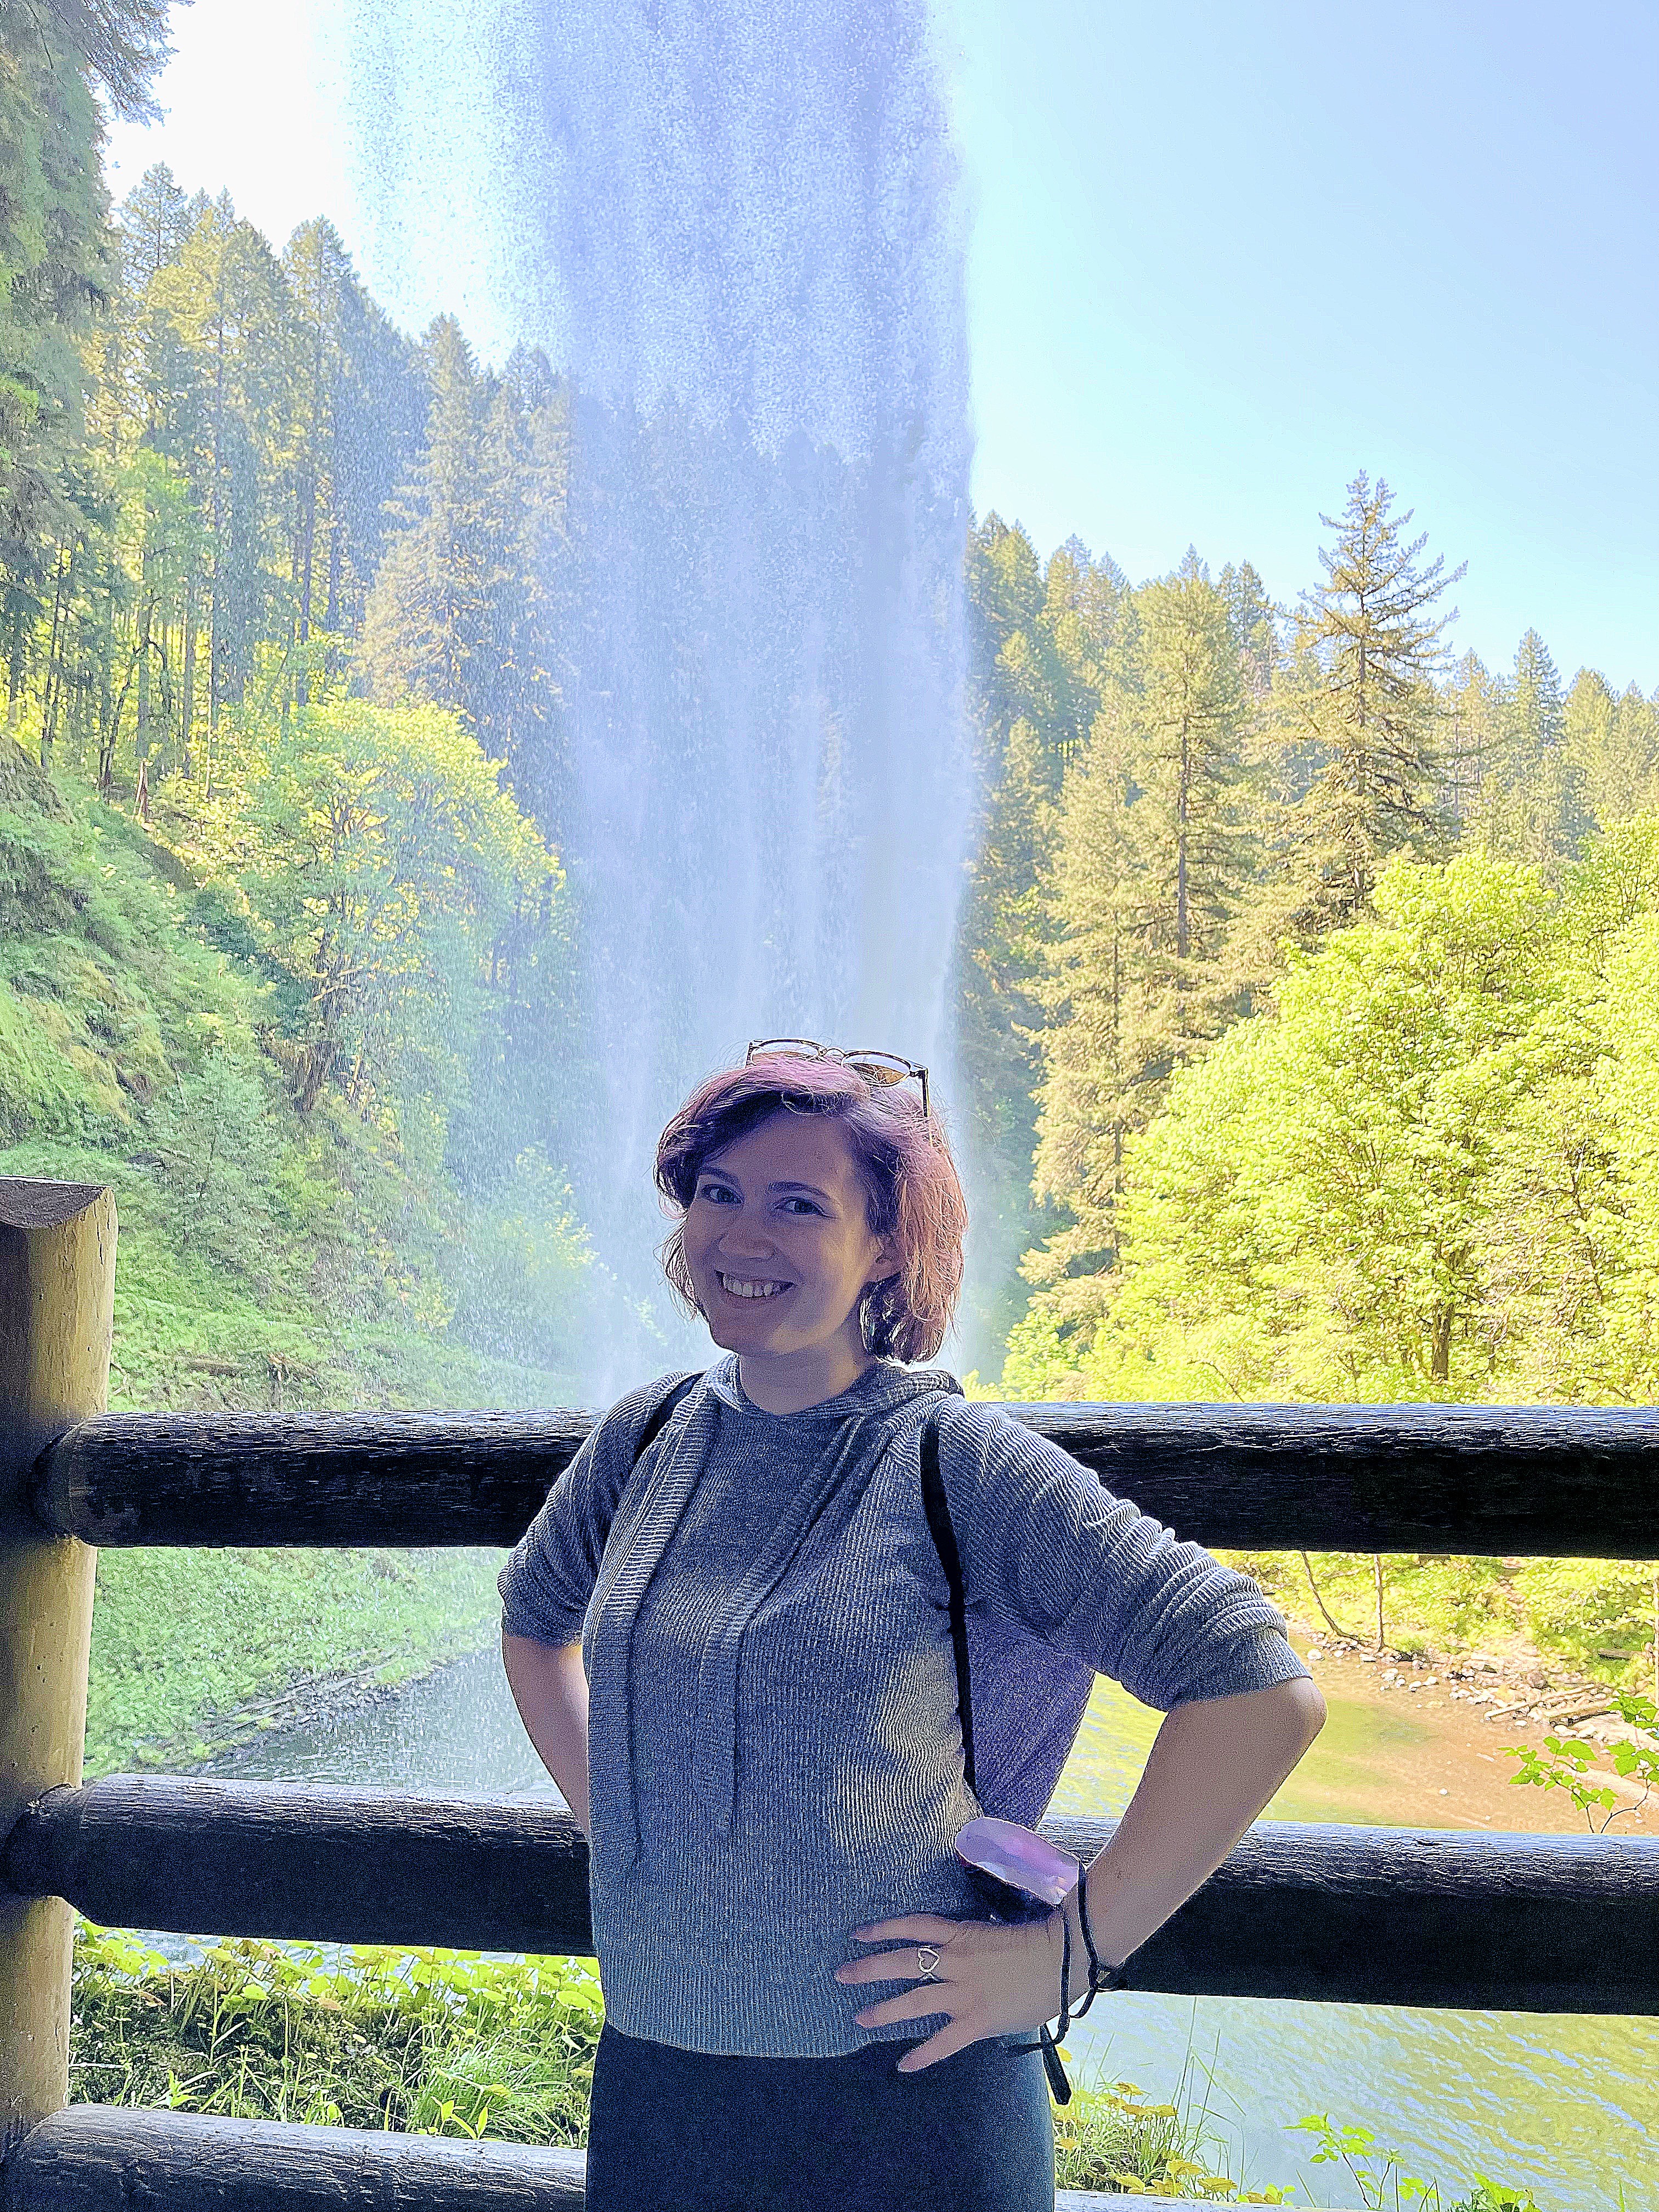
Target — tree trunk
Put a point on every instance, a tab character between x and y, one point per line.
187	680
1440	1368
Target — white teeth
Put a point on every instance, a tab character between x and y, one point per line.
751	1289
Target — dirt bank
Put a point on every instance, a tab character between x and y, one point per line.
1428	1750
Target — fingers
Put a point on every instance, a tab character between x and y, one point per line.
926	1927
883	1966
938	2046
912	2004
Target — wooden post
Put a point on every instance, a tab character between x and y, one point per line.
56	1313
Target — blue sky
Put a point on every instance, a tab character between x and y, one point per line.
1221	256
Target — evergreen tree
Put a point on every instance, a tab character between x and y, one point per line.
1359	704
1039	639
1154	860
54	272
156	220
1472	748
1253	620
1614	743
1538	811
461	614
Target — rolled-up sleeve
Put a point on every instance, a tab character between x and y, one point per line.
549	1575
1047	1546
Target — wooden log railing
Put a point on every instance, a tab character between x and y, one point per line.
1333	1913
1481	1480
1349	1915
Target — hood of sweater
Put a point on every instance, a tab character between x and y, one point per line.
812	1453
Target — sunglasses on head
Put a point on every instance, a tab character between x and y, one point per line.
884	1068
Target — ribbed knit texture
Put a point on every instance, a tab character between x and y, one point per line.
774	1756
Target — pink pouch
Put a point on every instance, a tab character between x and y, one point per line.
1017	1859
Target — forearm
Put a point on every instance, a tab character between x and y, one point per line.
1214	1765
550	1687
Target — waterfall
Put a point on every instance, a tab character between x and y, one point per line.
735	226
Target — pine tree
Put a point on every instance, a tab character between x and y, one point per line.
1360	706
1154	857
1615	744
461	613
1253	620
156	220
1472	748
1540	812
1039	638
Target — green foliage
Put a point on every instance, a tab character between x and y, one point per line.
1385	2188
376	859
1572	1758
1113	2137
423	2042
1586	1609
166	1687
1427	1170
448	2042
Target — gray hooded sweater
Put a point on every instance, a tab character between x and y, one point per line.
774	1755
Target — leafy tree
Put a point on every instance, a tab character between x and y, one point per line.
1326	1204
378	861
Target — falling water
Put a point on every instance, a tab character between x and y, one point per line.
734	224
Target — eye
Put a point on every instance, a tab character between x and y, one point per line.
719	1190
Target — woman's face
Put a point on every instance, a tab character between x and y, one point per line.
784	1205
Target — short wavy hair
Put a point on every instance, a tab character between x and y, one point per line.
902	1156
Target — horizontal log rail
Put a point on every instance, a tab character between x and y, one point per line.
1486	1480
1339	1914
110	2158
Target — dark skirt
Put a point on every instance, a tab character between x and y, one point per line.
672	2130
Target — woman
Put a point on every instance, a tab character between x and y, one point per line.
759	1616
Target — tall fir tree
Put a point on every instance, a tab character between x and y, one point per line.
1540	811
1040	637
1154	858
1359	703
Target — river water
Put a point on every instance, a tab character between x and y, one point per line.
1568	2106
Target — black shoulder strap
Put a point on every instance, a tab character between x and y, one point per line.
653	1427
944	1538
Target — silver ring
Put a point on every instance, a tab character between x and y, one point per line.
927	1963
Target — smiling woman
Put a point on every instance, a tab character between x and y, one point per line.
802	1173
729	1633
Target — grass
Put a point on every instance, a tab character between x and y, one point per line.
169	1687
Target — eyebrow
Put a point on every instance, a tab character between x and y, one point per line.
812	1186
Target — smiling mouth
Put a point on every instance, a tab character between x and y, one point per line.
751	1298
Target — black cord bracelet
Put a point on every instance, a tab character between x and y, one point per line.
1100	1976
1049	2044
